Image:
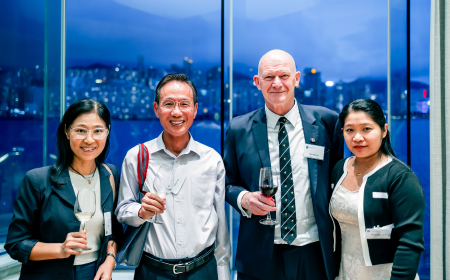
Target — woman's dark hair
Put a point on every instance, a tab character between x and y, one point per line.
65	153
175	77
374	110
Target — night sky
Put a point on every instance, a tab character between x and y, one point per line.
344	39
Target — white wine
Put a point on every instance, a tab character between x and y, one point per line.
84	216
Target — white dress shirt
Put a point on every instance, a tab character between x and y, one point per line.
307	231
195	209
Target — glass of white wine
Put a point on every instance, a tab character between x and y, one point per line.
84	209
162	185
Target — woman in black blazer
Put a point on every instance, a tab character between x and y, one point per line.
377	201
44	232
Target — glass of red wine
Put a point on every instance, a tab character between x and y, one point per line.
268	185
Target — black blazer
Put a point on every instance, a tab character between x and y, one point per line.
391	195
44	212
246	151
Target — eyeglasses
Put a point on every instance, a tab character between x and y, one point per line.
82	133
184	105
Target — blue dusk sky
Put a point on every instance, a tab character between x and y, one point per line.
344	39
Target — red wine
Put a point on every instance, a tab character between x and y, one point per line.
268	190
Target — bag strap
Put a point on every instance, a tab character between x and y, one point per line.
111	181
142	158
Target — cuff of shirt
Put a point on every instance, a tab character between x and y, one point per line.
135	220
245	213
223	272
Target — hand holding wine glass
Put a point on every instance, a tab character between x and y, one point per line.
163	184
84	209
74	241
151	204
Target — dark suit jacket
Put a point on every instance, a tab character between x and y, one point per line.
247	150
44	212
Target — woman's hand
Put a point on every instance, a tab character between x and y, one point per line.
73	240
104	272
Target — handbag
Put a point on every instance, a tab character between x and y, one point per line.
130	251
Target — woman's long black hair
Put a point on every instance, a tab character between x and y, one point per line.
374	110
65	153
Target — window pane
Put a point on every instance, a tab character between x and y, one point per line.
339	48
24	86
118	51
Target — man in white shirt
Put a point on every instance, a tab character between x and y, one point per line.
303	143
192	242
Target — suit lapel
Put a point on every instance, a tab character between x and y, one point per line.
311	131
259	130
105	185
64	188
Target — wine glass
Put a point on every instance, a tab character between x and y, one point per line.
163	184
84	209
268	185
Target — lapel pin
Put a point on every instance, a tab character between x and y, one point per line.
312	140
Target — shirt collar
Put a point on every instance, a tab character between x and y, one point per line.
292	116
192	146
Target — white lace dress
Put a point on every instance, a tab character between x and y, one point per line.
344	208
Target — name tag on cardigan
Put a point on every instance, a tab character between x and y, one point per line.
108	225
380	195
379	232
314	151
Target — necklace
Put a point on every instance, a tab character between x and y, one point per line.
87	178
361	173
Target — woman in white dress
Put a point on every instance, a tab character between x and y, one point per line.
377	202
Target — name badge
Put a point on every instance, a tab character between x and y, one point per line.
108	226
380	195
379	232
314	151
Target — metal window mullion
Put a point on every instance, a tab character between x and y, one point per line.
46	67
389	64
231	59
230	209
63	60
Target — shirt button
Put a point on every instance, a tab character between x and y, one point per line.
178	200
180	243
176	159
179	221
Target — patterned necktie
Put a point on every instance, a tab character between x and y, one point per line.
288	217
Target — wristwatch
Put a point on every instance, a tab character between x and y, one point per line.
114	257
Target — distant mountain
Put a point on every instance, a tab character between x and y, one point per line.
92	66
419	85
